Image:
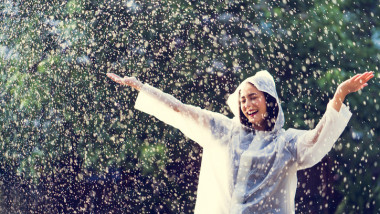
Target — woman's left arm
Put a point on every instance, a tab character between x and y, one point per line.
313	145
351	85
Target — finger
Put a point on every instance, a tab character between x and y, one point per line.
354	78
364	85
112	76
115	78
363	77
366	77
367	73
369	77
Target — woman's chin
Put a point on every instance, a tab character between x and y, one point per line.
258	125
255	122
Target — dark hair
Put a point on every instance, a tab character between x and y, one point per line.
272	110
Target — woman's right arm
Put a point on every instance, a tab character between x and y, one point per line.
198	124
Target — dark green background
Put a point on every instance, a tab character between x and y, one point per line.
71	141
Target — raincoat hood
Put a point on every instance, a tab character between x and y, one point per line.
264	82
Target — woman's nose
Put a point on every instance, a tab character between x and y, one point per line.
248	104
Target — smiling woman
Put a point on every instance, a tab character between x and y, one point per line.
253	106
257	109
249	163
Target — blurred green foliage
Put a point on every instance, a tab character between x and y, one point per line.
70	139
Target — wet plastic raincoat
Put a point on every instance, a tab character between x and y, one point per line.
243	170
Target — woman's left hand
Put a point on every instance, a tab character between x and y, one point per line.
351	85
355	83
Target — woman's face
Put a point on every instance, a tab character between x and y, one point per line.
253	106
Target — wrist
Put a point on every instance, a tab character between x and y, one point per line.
341	94
341	91
137	85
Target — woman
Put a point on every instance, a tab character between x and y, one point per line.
249	163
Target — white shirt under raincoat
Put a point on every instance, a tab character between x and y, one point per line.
245	171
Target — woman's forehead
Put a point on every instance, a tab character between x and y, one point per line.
249	88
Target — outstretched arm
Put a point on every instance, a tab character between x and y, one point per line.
174	104
315	144
351	85
204	127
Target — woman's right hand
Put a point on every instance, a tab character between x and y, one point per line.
130	81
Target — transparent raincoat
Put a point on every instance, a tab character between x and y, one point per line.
243	170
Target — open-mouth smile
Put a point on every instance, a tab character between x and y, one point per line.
252	113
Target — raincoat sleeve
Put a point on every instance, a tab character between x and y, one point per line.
314	144
207	130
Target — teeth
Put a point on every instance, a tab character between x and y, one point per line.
252	112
